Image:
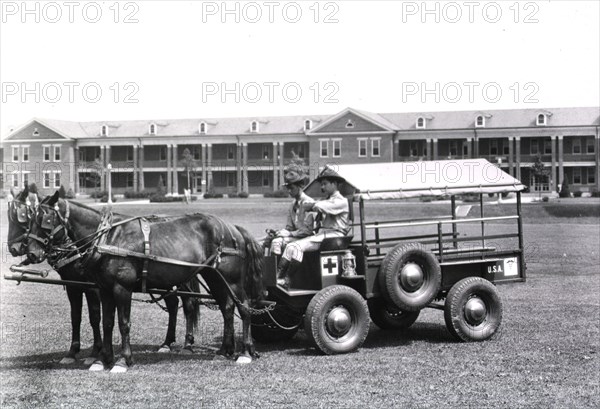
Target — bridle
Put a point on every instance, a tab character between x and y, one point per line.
21	214
49	215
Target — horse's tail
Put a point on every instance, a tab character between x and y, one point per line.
253	284
193	286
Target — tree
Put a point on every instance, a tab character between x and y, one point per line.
161	190
540	171
564	189
190	165
62	192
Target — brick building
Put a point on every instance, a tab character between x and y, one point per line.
249	154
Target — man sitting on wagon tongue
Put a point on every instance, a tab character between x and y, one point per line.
334	213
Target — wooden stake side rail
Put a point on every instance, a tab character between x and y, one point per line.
433	223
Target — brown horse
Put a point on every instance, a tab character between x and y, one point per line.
180	248
21	208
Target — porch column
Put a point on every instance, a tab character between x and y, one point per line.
275	179
245	168
108	159
205	184
597	154
103	162
76	170
429	149
469	147
175	173
141	185
135	168
518	156
561	168
476	147
511	163
553	174
209	175
169	172
281	162
435	150
238	166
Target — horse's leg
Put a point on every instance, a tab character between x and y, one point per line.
190	324
76	302
123	301
108	322
227	309
248	350
172	306
93	301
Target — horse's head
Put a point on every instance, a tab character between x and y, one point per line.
21	208
48	228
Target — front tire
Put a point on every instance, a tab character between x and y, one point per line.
473	309
337	320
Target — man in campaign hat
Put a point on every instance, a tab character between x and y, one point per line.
334	213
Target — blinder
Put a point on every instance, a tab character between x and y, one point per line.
22	214
48	220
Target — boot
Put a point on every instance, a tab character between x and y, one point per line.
282	276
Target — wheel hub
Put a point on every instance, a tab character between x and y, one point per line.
411	277
339	321
475	311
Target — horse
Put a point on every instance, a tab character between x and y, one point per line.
20	210
227	257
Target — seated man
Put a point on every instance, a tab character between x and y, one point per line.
299	222
335	222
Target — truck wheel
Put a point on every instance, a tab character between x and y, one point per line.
410	277
337	320
473	309
386	317
265	330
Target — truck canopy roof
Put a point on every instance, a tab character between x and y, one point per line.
400	180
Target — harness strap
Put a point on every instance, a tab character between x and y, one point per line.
145	226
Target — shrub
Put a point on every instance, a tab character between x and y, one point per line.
596	193
62	192
277	193
564	189
545	199
98	194
232	195
577	194
209	195
70	194
144	194
104	199
243	195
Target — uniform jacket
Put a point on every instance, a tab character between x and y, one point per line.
299	222
336	213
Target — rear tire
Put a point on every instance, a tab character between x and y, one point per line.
410	277
473	309
337	320
390	318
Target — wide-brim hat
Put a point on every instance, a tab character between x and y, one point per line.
294	178
330	174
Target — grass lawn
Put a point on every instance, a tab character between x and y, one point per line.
546	354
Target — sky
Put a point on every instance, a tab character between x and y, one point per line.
103	61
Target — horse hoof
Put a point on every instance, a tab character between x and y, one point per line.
88	361
97	367
164	349
118	369
243	359
187	351
67	361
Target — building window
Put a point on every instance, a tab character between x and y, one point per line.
577	176
413	148
230	179
324	145
25	153
541	120
576	146
420	123
453	148
36	132
493	147
152	129
25	179
130	153
337	148
254	127
301	151
266	152
534	149
57	153
590	148
46	153
548	147
266	182
591	177
349	124
230	152
202	127
480	121
57	179
47	180
362	148
375	147
15	153
15	180
465	149
307	125
196	152
505	147
162	153
104	130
